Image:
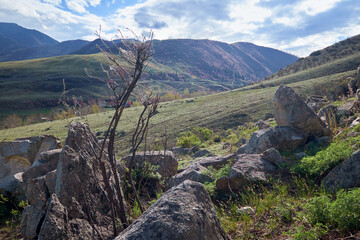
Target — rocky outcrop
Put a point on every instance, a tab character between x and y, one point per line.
166	164
69	202
194	172
272	155
247	168
291	111
316	102
345	175
202	153
18	156
197	170
183	212
280	138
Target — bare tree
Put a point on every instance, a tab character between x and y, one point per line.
127	64
150	104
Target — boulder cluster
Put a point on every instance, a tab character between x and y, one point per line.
67	197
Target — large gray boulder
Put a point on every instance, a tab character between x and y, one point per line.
69	202
291	111
280	138
183	212
345	175
166	163
247	168
17	157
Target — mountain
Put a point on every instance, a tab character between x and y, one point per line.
212	60
23	37
58	49
176	65
346	48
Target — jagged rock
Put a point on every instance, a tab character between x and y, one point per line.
280	138
202	153
347	109
17	156
345	175
194	172
183	212
329	115
47	163
316	102
69	202
197	170
216	162
167	165
242	149
273	155
291	111
262	124
247	168
180	151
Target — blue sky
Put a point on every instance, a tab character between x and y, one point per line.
295	26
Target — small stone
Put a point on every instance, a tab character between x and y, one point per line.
246	211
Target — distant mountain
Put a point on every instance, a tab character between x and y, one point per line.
211	59
92	48
23	37
340	50
58	49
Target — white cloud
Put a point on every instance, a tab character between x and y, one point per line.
53	2
45	17
81	5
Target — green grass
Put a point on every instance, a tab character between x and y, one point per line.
318	165
217	112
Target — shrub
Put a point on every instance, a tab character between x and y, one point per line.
323	161
343	213
188	140
204	134
195	137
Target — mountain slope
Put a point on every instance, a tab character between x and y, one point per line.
25	37
58	49
213	60
340	50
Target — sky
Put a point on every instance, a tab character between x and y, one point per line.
298	27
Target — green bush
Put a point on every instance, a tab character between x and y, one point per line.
195	137
343	213
204	134
188	140
323	161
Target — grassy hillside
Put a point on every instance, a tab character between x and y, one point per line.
341	50
217	111
36	84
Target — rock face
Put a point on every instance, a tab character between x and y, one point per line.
183	212
69	202
345	175
280	138
166	164
17	156
291	110
247	168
